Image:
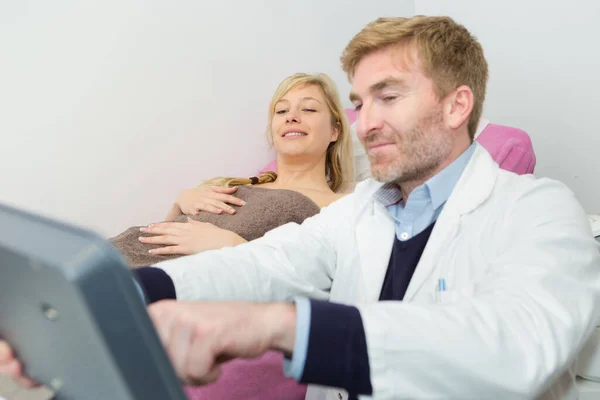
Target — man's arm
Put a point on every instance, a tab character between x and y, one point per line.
520	330
200	336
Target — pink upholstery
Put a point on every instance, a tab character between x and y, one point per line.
272	166
510	147
351	115
259	379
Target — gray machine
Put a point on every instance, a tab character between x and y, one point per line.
71	311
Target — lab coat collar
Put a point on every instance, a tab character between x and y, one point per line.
483	123
375	226
474	187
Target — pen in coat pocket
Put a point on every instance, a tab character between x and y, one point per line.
439	289
441	285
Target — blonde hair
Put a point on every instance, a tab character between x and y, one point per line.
339	166
449	54
256	180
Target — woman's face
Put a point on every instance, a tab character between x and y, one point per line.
302	124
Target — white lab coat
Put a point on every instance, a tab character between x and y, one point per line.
522	273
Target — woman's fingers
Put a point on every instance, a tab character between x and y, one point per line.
165	228
226	190
215	200
169	250
222	206
219	204
226	198
162	239
210	205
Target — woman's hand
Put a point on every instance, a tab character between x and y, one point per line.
214	199
188	238
10	366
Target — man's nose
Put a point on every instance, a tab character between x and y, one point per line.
368	120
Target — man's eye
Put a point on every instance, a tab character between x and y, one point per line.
390	98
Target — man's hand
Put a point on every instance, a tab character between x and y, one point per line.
200	336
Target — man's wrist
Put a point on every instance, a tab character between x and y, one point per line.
282	320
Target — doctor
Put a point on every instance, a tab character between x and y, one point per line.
443	277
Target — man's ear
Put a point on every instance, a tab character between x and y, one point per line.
458	107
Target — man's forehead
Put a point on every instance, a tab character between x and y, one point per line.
400	63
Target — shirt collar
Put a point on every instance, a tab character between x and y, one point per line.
439	186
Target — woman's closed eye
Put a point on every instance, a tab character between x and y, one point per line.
304	109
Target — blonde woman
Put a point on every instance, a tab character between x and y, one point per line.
311	136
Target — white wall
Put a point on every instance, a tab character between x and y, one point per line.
109	108
544	78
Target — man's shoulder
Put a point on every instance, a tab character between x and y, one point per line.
510	184
530	185
539	195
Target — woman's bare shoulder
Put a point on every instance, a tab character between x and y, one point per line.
320	197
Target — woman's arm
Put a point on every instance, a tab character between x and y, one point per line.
173	213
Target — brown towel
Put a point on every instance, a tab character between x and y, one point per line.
265	209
